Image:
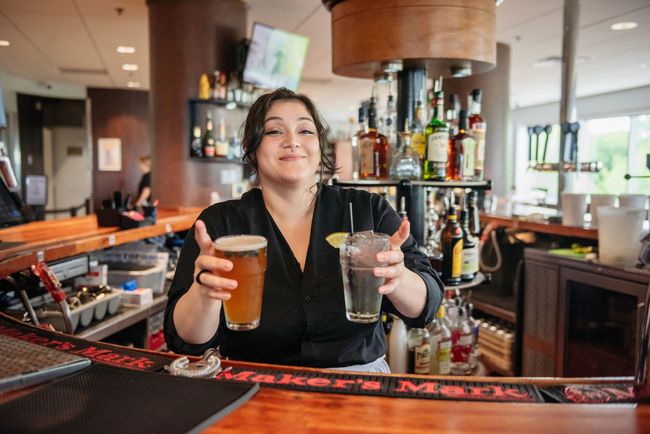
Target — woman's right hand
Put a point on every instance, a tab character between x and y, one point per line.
212	284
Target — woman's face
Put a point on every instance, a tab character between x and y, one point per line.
289	152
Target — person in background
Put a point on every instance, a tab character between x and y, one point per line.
303	318
144	188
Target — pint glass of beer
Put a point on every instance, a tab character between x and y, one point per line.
248	256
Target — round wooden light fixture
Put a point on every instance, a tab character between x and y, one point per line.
449	37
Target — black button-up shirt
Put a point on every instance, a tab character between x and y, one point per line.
303	318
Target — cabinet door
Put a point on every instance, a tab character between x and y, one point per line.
540	318
600	322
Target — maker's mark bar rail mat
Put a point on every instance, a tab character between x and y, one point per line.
374	385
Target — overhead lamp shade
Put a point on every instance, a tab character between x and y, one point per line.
448	37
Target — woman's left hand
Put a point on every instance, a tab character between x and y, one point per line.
394	270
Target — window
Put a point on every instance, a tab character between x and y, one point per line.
621	143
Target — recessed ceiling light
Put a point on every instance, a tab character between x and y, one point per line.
4	43
133	84
125	49
625	25
130	67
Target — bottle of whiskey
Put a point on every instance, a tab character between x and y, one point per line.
406	162
354	140
418	136
419	351
456	163
440	345
221	147
461	345
208	138
475	326
477	128
390	122
469	268
373	149
472	211
437	135
204	87
196	148
452	114
451	239
469	150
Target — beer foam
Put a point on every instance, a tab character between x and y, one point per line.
240	243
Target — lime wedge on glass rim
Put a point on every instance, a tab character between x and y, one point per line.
336	239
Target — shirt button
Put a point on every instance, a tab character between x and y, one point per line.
308	298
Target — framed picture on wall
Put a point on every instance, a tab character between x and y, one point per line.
109	154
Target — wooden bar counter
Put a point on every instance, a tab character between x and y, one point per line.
22	246
287	411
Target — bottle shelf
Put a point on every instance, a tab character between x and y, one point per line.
220	102
476	185
217	160
480	278
586	166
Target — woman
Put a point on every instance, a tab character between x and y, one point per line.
303	315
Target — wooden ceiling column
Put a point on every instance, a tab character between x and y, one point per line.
448	37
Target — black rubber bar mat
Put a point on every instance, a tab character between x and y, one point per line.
114	400
99	352
615	393
376	385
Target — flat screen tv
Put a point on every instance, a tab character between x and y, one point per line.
275	58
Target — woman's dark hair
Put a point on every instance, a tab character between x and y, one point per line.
254	126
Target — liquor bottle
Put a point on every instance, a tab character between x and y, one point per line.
418	136
204	87
373	149
440	345
398	359
472	210
477	128
196	148
390	122
235	151
469	150
214	92
222	147
469	268
355	142
208	138
461	345
455	162
406	162
451	239
437	135
432	245
452	114
419	351
475	326
223	87
387	324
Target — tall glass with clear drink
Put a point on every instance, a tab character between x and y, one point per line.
248	255
358	258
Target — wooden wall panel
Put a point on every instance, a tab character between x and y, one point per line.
122	114
187	38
